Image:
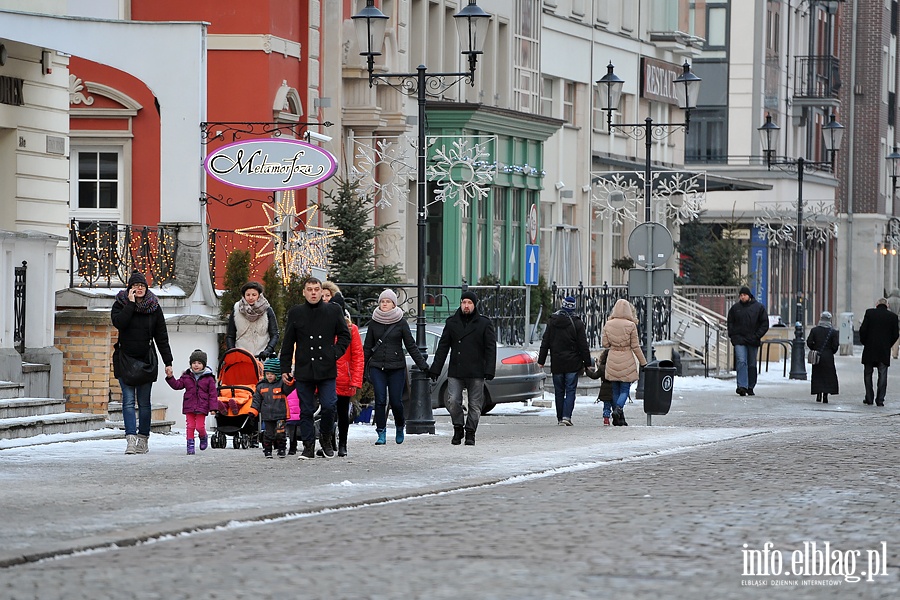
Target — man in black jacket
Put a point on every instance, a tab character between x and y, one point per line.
471	342
315	336
878	332
747	323
566	342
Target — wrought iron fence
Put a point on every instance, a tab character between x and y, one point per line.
103	253
222	242
503	304
19	288
594	304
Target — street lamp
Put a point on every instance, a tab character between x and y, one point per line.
687	90
472	25
833	133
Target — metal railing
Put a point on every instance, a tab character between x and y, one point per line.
104	254
817	77
19	289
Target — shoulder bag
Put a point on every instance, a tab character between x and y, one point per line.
813	357
138	371
375	348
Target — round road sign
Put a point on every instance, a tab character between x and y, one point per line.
532	224
650	244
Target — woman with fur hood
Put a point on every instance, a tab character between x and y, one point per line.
252	324
621	337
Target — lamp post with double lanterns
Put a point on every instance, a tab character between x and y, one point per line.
687	90
833	133
891	242
472	25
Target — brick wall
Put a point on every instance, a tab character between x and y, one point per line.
86	339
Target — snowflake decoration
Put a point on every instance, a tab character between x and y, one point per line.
620	188
383	167
778	221
681	193
296	244
461	170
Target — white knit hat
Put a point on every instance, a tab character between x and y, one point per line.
390	295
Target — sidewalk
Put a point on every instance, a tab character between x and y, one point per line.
69	496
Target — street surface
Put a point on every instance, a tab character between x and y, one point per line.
725	497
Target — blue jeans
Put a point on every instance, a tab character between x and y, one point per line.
745	365
306	390
620	394
564	385
141	393
388	384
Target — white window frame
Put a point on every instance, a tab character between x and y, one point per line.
117	214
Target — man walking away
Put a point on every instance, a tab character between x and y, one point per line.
878	332
470	341
747	323
566	342
315	337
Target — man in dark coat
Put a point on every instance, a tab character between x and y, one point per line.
470	341
315	337
566	342
878	332
747	323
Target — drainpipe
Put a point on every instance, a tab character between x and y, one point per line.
848	290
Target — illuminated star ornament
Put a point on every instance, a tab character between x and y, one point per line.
297	245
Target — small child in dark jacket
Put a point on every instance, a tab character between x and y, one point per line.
200	397
270	404
605	394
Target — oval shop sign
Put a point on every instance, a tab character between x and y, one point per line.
271	164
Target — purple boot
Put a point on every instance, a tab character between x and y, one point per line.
190	446
204	442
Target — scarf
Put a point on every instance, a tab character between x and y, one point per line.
145	306
386	318
824	323
252	312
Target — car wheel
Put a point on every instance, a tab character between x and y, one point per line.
486	405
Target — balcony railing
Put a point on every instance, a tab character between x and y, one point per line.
104	254
817	77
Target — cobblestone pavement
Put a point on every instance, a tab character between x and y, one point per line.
580	512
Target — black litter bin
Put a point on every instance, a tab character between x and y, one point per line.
659	378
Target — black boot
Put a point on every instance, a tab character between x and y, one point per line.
818	397
458	433
824	398
619	417
327	448
309	451
470	437
342	445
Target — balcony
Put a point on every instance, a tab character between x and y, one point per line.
817	80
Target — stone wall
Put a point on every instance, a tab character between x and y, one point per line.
86	339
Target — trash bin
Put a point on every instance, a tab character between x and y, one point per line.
659	378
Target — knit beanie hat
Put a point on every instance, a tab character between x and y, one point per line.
272	365
568	303
137	277
390	295
469	295
825	316
198	355
745	290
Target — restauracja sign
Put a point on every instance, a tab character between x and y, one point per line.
271	164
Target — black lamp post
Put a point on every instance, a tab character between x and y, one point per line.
687	90
833	133
471	24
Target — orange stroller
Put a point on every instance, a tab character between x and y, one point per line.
239	372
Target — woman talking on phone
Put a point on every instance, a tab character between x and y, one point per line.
138	317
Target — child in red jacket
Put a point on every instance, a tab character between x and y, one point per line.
200	397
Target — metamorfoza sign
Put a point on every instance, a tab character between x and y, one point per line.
270	164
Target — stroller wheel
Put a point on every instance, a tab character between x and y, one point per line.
245	441
236	442
221	440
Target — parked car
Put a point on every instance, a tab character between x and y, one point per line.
517	379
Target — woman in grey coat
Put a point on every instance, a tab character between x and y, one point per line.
824	339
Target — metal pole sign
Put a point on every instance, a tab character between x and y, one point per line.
532	263
532	225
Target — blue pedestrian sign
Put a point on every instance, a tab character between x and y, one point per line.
532	263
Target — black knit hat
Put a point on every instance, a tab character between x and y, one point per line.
469	295
198	355
137	277
339	300
745	290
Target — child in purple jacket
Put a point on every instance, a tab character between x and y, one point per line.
200	397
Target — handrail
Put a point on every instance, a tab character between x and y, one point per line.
785	345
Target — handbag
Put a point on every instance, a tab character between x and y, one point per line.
136	371
374	348
813	356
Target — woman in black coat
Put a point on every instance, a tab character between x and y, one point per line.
824	339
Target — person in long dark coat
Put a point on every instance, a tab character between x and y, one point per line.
878	332
823	338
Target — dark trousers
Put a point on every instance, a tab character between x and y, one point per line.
306	390
882	382
273	435
343	418
388	385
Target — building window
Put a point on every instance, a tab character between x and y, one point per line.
516	235
527	55
707	142
498	227
98	180
482	259
569	103
546	96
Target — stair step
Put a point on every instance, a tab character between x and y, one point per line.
157	411
11	408
10	389
66	422
156	426
77	436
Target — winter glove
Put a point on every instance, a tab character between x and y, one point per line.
263	355
433	376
